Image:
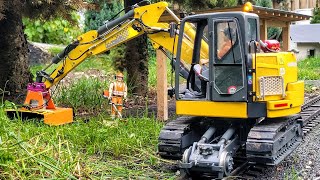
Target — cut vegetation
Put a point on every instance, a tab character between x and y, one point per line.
93	147
97	149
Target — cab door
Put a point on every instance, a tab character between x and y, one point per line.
228	62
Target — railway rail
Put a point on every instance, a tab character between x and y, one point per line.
309	117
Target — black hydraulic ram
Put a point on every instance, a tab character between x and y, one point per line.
112	24
101	30
60	56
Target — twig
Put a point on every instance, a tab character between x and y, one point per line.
4	91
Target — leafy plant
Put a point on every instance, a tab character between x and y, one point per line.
264	3
316	14
56	31
94	19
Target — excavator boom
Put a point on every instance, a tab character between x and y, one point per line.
138	21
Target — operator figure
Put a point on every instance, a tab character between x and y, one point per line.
229	40
118	94
229	36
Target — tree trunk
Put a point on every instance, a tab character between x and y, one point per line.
14	71
137	61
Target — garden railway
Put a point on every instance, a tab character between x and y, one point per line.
244	101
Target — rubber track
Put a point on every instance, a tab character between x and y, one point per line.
310	117
171	139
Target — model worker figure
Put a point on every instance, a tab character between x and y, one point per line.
118	94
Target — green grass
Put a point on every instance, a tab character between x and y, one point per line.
292	174
98	149
309	69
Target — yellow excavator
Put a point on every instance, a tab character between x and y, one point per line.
244	101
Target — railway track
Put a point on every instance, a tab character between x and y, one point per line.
310	118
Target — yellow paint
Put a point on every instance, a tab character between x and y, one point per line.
150	14
280	64
212	109
283	112
247	7
52	117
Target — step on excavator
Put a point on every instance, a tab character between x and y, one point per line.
235	98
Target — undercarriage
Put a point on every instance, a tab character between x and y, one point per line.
208	146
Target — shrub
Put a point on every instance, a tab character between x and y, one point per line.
56	31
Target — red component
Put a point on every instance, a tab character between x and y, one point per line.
281	105
271	46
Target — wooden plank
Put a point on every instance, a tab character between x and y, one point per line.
285	37
276	23
264	30
162	95
263	13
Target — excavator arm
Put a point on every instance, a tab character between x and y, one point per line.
138	21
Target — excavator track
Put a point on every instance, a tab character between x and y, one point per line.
176	136
272	140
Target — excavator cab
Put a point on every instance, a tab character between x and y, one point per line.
224	72
223	78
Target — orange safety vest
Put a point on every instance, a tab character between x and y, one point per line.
118	89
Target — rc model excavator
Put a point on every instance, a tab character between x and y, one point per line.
245	102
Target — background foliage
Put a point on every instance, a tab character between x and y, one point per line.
55	31
316	14
273	32
96	18
205	4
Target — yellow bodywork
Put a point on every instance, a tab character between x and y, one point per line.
212	109
282	64
53	117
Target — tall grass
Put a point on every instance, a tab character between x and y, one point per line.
309	69
84	94
98	149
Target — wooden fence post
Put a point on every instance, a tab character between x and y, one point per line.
162	89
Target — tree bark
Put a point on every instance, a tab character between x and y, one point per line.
14	71
137	61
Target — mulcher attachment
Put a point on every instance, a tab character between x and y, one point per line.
272	140
39	105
